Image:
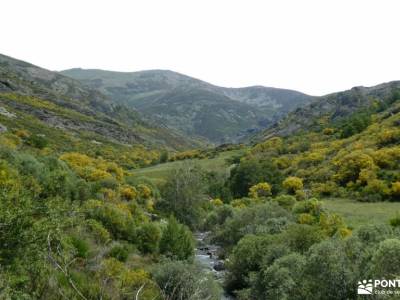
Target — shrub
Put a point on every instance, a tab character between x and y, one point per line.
350	165
311	206
144	191
376	190
388	137
388	251
373	234
148	238
262	189
99	232
119	252
300	195
37	141
306	218
396	190
395	221
293	184
177	241
300	237
218	216
217	202
81	247
129	193
387	157
117	219
286	201
123	282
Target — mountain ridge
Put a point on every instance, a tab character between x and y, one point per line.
244	110
117	122
331	107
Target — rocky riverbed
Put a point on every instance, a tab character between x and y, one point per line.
207	256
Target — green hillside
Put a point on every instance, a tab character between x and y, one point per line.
97	203
195	108
63	103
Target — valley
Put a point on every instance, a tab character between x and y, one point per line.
193	107
119	185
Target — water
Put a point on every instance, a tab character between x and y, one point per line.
207	256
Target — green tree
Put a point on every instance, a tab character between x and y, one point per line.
282	279
252	171
181	280
328	272
177	241
247	257
184	195
384	257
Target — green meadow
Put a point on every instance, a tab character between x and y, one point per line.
358	213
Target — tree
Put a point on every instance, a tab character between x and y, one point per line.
177	241
247	257
253	171
184	194
180	280
164	156
327	273
301	237
282	279
382	261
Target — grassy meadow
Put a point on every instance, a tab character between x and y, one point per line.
159	173
358	213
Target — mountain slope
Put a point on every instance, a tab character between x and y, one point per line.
62	102
192	106
333	108
344	145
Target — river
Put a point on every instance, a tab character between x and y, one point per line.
207	256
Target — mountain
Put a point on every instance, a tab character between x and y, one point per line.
335	107
194	107
61	102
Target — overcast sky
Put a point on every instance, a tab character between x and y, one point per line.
315	46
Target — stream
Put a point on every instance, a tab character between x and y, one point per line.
207	256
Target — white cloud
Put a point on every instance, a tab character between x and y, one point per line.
311	45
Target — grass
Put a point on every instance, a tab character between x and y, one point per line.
160	172
361	213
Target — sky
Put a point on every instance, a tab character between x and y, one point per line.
314	46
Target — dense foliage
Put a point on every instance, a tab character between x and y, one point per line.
79	227
77	223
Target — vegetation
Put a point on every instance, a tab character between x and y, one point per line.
304	216
194	107
77	227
